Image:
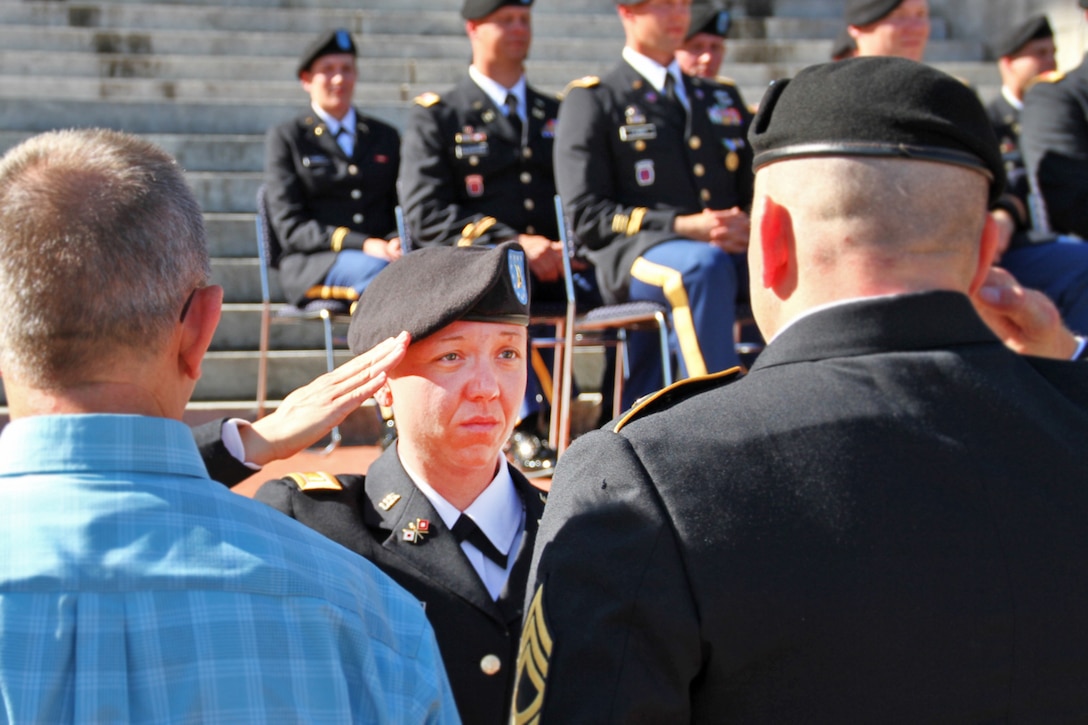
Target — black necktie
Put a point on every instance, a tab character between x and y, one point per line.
512	113
670	95
342	134
465	529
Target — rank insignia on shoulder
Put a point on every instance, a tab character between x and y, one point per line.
416	531
388	501
1051	76
316	481
534	659
725	81
583	82
676	392
427	99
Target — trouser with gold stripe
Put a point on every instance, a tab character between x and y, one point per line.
698	283
353	269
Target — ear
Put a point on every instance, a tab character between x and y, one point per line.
776	243
198	328
987	251
853	31
384	396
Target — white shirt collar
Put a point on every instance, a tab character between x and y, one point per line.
497	92
655	73
348	121
1012	100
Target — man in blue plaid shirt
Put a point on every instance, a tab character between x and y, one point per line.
132	587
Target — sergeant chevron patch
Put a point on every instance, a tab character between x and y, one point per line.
533	658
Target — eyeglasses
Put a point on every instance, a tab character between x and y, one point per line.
188	301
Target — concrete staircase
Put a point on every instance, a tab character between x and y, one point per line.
205	79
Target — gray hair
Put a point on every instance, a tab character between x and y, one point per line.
101	244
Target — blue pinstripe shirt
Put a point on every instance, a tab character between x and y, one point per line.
135	589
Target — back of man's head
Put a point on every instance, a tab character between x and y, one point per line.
877	173
101	245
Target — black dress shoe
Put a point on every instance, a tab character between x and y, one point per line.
531	453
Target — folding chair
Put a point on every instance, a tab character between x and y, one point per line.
606	325
326	311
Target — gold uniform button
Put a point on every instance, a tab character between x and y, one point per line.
699	169
358	218
640	145
695	142
473	160
527	153
705	194
526	177
356	194
530	229
490	665
529	205
353	169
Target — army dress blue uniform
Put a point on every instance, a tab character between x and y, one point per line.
1054	139
628	163
468	177
1056	265
323	202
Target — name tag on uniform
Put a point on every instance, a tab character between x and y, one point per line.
474	149
315	160
638	132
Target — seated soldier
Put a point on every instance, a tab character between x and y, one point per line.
331	177
441	512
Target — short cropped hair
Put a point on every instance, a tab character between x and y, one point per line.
101	245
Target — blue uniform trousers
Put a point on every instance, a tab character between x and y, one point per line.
354	268
1059	269
699	284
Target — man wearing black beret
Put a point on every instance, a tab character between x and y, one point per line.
477	170
441	511
656	182
1054	139
1060	270
330	178
704	45
883	520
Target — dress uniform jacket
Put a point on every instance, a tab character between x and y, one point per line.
886	524
626	167
466	177
321	201
478	636
1054	139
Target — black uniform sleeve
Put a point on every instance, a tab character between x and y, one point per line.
292	219
1054	139
221	465
279	494
428	186
611	629
585	174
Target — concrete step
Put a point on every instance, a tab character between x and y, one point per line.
558	7
154	117
299	23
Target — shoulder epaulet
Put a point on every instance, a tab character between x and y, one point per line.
676	392
427	99
1051	76
316	481
583	82
725	81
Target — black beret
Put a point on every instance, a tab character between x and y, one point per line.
844	45
477	9
1084	3
863	12
332	41
1035	27
708	19
878	106
426	290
